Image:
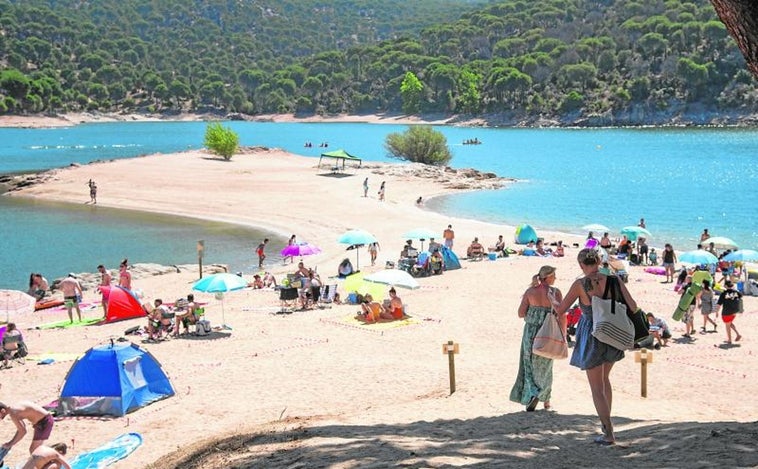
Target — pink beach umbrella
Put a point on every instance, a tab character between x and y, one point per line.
299	250
15	302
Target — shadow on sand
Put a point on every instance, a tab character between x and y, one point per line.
535	440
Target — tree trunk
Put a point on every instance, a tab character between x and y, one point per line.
741	20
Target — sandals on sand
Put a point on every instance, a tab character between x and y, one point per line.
600	440
532	404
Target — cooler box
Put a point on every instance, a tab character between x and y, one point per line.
492	256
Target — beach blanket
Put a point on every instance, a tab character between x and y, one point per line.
115	450
380	326
65	324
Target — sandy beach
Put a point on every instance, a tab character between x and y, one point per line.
314	389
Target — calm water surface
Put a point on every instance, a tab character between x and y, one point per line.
680	180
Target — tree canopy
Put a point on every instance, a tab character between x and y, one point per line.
419	144
574	61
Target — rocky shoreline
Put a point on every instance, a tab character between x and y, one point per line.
89	281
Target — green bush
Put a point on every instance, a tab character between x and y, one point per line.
222	141
420	144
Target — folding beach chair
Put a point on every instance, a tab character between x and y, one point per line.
327	295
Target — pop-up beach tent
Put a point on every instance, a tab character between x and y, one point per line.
113	379
122	304
339	155
450	259
525	233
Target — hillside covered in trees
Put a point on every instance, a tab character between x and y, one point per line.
593	62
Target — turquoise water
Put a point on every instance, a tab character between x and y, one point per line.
679	180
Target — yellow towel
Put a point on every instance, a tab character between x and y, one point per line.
380	326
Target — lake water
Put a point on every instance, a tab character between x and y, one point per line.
679	180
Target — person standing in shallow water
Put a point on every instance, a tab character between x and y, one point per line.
534	382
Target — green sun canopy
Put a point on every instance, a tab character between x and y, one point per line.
339	155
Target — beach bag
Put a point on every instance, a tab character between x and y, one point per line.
549	341
611	325
203	327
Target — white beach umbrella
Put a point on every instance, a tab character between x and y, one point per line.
721	242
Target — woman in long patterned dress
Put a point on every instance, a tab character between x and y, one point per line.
534	382
591	355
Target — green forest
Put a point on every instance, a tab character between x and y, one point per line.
574	62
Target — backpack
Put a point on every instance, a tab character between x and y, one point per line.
203	327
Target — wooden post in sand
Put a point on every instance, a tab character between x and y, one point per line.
643	357
200	250
451	348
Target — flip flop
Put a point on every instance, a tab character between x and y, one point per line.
600	440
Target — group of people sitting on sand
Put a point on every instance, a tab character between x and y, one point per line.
168	319
372	311
421	264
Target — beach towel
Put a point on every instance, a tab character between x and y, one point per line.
115	450
381	326
65	324
55	357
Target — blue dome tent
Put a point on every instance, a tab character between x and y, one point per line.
525	233
113	379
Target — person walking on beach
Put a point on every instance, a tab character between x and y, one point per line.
261	255
124	277
705	302
449	236
92	191
365	187
41	420
72	292
729	303
104	287
594	357
534	381
381	192
373	250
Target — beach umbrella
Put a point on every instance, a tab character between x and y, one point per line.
596	227
420	234
744	255
220	284
699	275
634	232
698	257
721	242
356	239
394	277
300	250
15	302
356	283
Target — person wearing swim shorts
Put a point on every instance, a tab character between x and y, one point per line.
261	254
40	419
669	259
72	291
729	303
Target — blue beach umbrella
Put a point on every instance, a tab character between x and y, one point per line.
355	239
220	284
744	255
698	257
421	234
634	232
